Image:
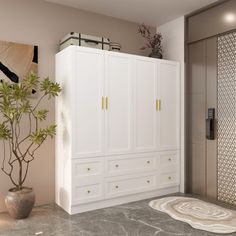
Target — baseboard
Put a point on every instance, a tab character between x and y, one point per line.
120	200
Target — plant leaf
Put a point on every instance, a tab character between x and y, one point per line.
5	133
39	136
41	114
50	88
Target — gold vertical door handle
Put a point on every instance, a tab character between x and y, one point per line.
106	103
102	103
159	105
157	108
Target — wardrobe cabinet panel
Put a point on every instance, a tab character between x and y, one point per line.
144	105
120	186
88	167
118	114
88	118
131	164
169	179
87	193
169	110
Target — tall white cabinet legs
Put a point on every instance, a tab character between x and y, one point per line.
118	122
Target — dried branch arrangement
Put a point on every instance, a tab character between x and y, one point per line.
154	41
17	106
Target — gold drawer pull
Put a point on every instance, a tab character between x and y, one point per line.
170	159
89	191
169	178
88	169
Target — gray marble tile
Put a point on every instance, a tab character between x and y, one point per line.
132	219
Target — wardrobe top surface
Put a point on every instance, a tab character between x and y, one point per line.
80	48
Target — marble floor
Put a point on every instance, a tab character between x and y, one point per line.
133	219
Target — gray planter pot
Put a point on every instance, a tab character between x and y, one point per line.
20	203
156	55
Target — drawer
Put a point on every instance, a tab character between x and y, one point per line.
87	193
84	168
131	164
169	161
169	179
168	158
130	185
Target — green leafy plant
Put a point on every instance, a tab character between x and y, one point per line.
17	107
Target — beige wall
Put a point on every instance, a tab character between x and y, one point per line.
43	24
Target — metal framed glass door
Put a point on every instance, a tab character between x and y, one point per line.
226	146
212	116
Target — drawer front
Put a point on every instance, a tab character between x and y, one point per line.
130	185
168	158
169	161
84	168
87	193
169	179
131	164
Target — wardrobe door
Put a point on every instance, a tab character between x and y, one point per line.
145	104
169	105
118	103
88	118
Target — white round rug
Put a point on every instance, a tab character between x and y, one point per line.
199	214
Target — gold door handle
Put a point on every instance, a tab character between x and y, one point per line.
102	103
106	103
159	105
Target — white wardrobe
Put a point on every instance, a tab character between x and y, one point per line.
118	136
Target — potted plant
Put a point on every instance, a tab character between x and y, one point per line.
20	143
154	41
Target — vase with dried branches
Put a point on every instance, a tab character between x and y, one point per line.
19	144
154	41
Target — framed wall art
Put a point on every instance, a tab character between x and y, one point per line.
17	60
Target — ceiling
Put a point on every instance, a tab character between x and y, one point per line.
152	12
